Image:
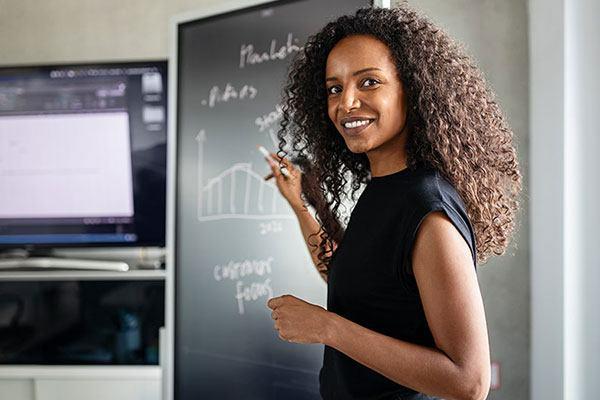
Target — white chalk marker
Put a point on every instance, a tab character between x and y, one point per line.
265	153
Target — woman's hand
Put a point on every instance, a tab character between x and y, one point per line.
298	321
289	186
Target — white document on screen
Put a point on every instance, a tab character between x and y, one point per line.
65	165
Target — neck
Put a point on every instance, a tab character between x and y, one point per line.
390	158
385	167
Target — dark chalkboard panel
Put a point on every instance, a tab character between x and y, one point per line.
237	242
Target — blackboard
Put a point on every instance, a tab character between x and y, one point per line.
237	242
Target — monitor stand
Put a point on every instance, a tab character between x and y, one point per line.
46	261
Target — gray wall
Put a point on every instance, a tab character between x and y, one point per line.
547	217
494	31
33	31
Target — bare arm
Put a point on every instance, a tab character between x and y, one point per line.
309	226
459	367
291	188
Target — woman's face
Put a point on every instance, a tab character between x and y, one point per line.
365	97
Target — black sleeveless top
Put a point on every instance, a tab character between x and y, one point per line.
370	275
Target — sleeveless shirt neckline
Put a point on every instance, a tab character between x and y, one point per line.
390	177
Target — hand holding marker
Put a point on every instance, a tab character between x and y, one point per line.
265	153
288	181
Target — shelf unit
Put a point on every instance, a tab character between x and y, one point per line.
95	382
34	382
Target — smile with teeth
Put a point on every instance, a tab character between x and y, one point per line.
355	124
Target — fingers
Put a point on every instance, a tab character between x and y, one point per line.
279	171
284	171
275	171
283	160
286	163
277	157
274	302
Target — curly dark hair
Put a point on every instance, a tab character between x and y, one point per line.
456	126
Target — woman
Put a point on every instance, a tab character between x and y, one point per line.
385	98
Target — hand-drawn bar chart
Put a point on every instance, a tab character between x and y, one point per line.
237	192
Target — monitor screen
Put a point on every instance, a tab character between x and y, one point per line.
83	155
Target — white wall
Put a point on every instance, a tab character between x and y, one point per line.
582	191
565	105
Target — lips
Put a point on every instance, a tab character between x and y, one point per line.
356	123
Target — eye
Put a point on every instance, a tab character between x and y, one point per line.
370	82
333	90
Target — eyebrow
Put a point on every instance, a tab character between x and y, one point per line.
360	71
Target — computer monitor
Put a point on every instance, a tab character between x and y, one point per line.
83	155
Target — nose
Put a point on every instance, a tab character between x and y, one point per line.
349	100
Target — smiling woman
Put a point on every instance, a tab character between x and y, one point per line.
366	103
385	97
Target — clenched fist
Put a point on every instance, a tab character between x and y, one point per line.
298	321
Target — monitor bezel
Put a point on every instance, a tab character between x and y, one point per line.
162	63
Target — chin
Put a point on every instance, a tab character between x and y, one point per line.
357	147
356	151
